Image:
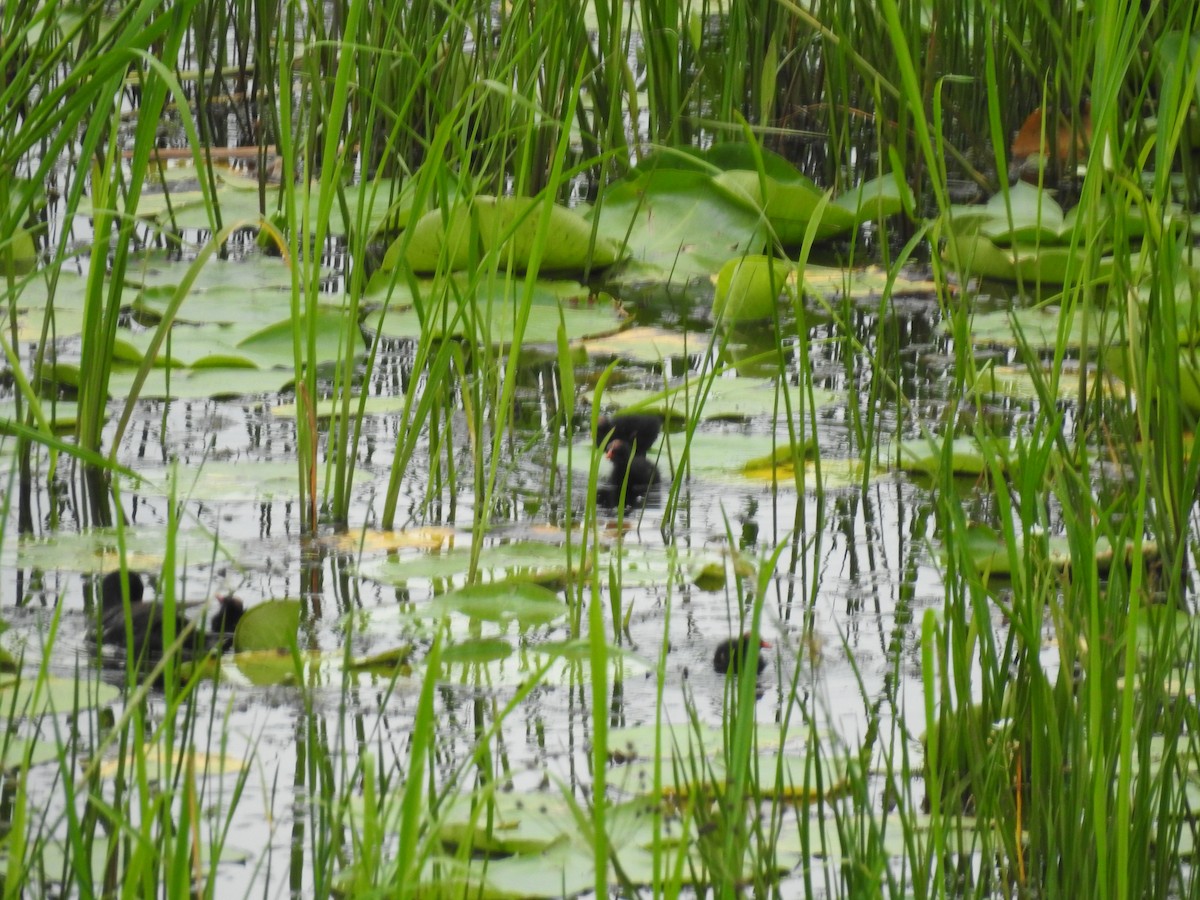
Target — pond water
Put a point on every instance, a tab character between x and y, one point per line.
856	571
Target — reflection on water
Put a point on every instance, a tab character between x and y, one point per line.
853	574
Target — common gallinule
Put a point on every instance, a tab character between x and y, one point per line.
730	654
636	472
147	620
227	616
638	430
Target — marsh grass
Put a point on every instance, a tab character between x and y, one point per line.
1025	762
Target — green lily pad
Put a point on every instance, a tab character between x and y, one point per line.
508	226
789	206
1017	382
681	226
24	696
272	346
990	553
156	767
394	659
647	345
97	550
273	625
490	311
728	399
1041	327
924	455
518	561
218	480
332	408
18	751
797	778
748	288
978	256
63	414
197	384
476	651
207	346
528	604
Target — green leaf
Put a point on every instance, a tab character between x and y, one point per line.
274	625
509	226
527	604
748	288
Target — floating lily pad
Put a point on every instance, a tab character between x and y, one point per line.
370	541
647	345
784	776
63	414
748	288
205	764
1018	383
158	274
98	550
528	604
246	480
1042	328
272	346
396	659
492	308
728	399
977	256
329	409
25	696
198	384
681	226
209	346
519	561
509	226
19	751
272	667
990	553
238	199
866	285
476	651
274	625
685	218
925	455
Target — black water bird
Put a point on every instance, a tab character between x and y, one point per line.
638	430
635	471
146	625
227	616
146	620
730	654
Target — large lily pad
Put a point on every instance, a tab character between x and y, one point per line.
26	696
238	199
1040	327
98	549
519	561
526	603
748	288
728	399
197	384
442	239
681	226
273	625
489	310
247	481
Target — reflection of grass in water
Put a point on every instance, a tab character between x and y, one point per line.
1055	759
